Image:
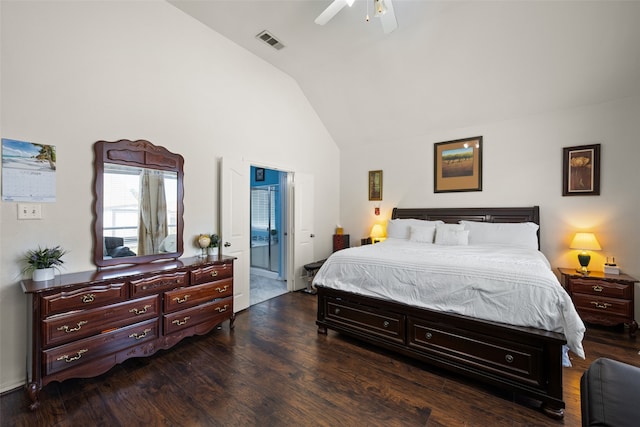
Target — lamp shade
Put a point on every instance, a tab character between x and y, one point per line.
585	242
377	231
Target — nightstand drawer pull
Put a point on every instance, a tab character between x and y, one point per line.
88	298
67	329
603	305
221	290
68	359
597	288
385	323
509	358
140	336
428	335
139	312
214	273
181	322
182	300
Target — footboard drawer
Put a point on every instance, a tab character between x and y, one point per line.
516	361
388	325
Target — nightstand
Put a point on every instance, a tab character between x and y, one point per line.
604	299
340	241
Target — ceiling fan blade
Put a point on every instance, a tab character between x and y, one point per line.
388	20
331	11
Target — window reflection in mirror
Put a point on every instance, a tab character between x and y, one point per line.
139	211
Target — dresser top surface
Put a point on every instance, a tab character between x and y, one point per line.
572	272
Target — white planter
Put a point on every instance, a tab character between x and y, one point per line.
212	251
43	274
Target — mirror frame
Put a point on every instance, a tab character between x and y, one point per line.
140	153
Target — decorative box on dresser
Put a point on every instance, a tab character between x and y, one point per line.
604	299
82	324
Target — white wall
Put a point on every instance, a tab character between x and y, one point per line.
522	166
77	72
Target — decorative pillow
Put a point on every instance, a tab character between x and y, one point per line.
400	228
452	237
422	234
521	234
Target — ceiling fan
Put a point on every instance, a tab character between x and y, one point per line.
383	9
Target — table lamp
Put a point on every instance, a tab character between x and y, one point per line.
377	233
585	242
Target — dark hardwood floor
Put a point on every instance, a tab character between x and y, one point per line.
274	370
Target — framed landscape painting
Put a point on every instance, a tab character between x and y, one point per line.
458	165
375	185
581	170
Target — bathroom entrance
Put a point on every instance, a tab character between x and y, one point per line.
268	223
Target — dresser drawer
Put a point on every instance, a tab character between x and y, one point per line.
159	282
586	304
69	327
390	326
82	351
601	288
211	272
83	298
179	299
192	316
522	363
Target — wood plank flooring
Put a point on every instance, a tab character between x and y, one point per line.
274	370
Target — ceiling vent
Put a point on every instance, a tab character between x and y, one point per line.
268	38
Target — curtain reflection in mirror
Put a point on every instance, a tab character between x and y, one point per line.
152	227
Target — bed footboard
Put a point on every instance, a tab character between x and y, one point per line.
526	361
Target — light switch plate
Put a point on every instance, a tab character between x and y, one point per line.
29	211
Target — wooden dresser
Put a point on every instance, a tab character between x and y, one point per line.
604	299
82	324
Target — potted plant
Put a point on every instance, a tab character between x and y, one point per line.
42	262
213	244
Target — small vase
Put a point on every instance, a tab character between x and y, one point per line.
43	274
212	251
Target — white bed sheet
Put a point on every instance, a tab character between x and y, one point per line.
491	282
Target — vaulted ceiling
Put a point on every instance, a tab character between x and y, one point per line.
449	64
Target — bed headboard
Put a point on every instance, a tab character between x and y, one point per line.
453	215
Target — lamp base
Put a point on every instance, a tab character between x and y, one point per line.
584	272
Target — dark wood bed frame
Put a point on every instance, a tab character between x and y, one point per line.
525	361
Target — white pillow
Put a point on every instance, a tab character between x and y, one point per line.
452	237
520	234
400	228
422	234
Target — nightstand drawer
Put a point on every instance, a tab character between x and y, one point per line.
594	304
600	288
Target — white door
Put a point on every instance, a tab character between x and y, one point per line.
303	234
234	218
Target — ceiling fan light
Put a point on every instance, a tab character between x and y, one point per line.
380	7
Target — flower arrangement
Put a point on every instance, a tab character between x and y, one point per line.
214	240
43	258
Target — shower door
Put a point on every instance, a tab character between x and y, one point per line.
264	232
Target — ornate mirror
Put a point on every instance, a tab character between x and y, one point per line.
138	203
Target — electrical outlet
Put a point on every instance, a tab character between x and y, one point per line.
29	211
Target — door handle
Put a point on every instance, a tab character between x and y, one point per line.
312	236
227	244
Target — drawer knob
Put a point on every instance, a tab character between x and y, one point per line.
597	288
181	322
221	290
181	300
140	336
139	312
385	324
67	329
68	359
509	358
214	273
602	305
337	311
428	335
88	298
222	309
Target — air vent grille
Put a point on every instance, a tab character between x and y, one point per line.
269	39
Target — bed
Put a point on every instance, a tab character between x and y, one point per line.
457	305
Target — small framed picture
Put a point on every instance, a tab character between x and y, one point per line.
581	170
259	174
375	185
457	165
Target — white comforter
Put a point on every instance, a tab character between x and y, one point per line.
492	282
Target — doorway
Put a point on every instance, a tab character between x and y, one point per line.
268	211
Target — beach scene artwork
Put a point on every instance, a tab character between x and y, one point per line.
28	171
